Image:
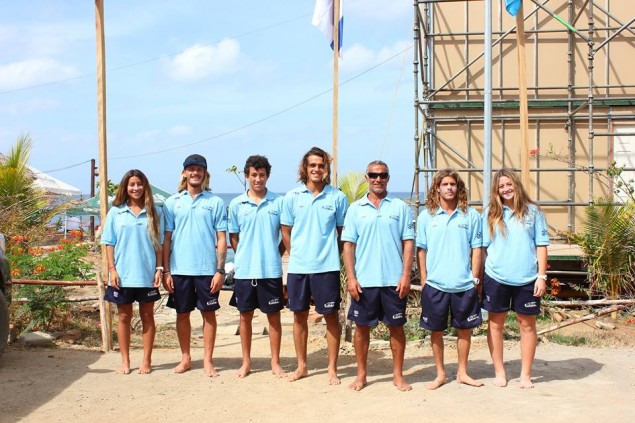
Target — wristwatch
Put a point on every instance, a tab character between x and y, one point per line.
221	271
476	281
543	277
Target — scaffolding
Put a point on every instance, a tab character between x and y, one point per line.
581	89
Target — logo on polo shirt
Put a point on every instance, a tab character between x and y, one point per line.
274	212
397	316
394	217
463	225
472	317
531	304
329	305
274	301
411	225
479	235
327	207
212	302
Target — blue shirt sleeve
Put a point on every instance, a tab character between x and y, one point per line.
168	216
287	218
342	207
109	235
221	216
422	238
486	237
477	229
407	230
350	229
232	223
541	235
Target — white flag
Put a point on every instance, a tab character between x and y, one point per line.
323	19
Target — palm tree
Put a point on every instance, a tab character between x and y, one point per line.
608	242
354	186
25	209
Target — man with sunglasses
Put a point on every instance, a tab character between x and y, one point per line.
378	240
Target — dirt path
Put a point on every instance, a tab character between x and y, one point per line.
573	384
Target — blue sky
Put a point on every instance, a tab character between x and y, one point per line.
205	77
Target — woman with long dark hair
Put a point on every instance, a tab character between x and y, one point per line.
132	236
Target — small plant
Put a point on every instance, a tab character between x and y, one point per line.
572	341
234	169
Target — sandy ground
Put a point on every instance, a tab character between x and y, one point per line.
572	384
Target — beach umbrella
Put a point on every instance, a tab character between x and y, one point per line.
90	207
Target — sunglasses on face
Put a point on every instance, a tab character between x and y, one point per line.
375	175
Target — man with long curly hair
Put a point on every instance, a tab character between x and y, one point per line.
449	237
312	220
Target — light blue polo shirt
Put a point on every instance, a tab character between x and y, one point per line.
194	223
449	240
378	235
512	259
314	234
258	226
135	257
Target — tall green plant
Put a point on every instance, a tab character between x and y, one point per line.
24	208
608	242
354	186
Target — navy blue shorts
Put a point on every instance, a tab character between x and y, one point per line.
497	297
323	287
380	303
193	291
436	307
123	296
264	294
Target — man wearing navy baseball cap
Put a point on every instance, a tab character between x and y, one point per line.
194	252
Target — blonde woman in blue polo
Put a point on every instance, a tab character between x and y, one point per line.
194	253
312	219
254	233
515	243
132	237
449	242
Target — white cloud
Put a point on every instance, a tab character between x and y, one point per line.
179	130
203	61
28	107
358	58
33	72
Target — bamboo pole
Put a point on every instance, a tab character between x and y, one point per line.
589	303
590	316
104	307
336	53
522	94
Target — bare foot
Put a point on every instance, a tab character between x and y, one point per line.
401	383
333	379
244	370
277	370
209	369
297	374
525	383
358	384
500	381
146	367
124	369
183	366
437	383
467	380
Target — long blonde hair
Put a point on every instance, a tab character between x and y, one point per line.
122	197
433	198
204	185
495	207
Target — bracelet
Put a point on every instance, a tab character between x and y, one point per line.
112	267
166	272
159	268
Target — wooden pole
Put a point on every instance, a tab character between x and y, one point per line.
522	94
590	316
104	307
336	59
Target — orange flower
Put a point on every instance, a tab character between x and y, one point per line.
15	272
38	269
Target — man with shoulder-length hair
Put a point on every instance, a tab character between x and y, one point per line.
254	233
194	252
378	240
449	238
312	219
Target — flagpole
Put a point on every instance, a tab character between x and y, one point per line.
523	102
336	53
